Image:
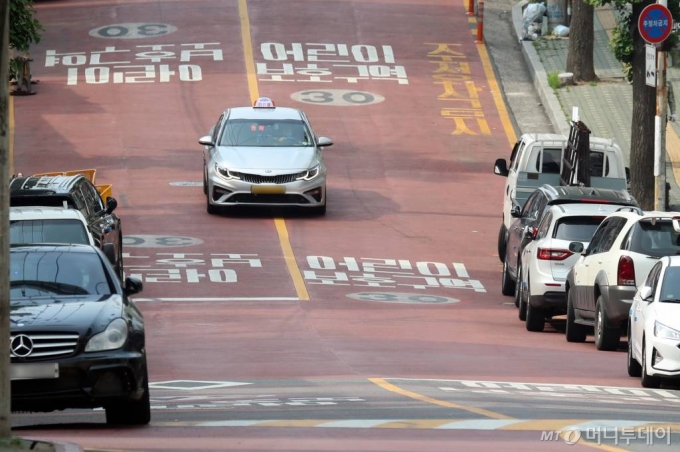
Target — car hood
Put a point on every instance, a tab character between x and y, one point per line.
266	158
86	315
668	314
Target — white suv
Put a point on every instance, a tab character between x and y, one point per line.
601	285
546	259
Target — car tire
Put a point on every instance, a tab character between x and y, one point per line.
522	302
634	367
647	381
502	242
534	317
211	209
574	332
519	292
131	412
606	338
507	284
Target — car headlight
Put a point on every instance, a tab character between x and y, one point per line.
224	172
113	337
664	332
309	174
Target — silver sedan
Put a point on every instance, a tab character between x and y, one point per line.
264	155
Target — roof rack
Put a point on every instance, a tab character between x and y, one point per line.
636	210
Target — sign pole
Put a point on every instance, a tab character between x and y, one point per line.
660	130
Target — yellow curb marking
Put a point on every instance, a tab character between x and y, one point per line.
280	224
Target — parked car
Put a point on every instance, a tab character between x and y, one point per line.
602	282
536	160
77	339
654	325
264	155
546	259
532	213
75	192
52	225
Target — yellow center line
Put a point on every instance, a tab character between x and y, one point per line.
390	387
251	75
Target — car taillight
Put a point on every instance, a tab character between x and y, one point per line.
626	271
549	254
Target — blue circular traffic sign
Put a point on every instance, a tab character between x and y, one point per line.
655	23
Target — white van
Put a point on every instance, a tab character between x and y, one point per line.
536	160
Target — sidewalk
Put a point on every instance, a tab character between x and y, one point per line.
606	106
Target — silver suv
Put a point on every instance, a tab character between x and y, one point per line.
601	284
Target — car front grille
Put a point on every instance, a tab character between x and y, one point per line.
247	198
47	345
258	179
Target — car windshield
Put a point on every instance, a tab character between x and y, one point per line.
659	239
266	132
48	231
670	287
56	273
576	229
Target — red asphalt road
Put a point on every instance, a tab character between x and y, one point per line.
401	186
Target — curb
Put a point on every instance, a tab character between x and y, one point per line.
551	104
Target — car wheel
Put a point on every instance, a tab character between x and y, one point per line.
534	317
131	412
647	380
606	338
502	241
575	332
212	210
522	314
634	368
507	284
519	288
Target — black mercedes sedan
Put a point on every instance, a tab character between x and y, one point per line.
76	338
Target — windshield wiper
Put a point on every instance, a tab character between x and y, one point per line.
670	300
56	287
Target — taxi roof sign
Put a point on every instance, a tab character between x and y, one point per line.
264	102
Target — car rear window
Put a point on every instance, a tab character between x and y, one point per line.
658	239
576	229
48	231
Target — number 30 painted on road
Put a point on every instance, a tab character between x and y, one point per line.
337	97
132	30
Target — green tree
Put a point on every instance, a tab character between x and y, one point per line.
24	28
629	48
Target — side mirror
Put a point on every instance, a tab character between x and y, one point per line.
324	141
576	247
516	212
530	233
110	252
206	141
646	293
500	167
132	286
111	204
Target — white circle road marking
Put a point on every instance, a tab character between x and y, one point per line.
409	298
337	97
133	31
159	241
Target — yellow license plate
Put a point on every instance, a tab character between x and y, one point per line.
267	189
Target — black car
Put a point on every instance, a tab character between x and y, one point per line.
76	338
76	192
526	219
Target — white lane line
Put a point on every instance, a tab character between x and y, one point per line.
220	299
479	424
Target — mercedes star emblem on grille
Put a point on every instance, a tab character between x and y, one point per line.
21	346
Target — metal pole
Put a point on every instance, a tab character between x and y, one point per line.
5	388
480	23
660	129
471	8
